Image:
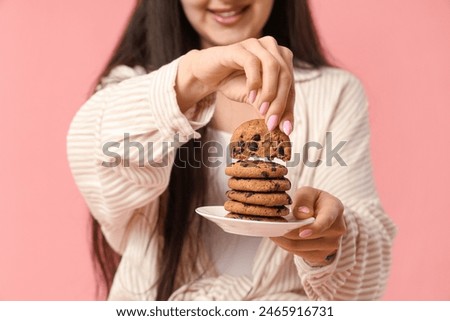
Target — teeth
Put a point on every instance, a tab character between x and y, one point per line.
227	14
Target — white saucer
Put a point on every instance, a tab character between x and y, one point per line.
217	214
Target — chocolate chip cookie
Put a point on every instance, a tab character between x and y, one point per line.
256	218
266	199
253	139
258	210
256	169
259	185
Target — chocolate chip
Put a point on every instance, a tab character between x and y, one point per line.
253	146
249	194
237	150
241	143
277	186
264	174
256	137
244	164
281	150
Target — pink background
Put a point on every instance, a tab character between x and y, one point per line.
51	52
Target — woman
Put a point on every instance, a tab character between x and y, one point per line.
205	66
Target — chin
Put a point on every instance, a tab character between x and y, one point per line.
229	38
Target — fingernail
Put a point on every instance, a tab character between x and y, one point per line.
272	122
303	209
305	233
287	127
252	96
264	107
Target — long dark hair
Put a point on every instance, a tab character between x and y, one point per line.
158	32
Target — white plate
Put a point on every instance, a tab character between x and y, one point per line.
217	214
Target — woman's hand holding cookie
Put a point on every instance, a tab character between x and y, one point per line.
318	242
255	71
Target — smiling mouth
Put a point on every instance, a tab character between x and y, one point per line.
228	16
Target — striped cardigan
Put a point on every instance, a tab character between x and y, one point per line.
124	199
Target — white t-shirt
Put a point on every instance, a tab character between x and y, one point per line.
232	254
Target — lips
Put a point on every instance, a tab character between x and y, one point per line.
229	15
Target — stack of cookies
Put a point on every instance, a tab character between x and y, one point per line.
258	187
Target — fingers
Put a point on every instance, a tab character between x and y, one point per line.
317	242
318	252
287	121
266	69
275	99
295	245
269	72
241	58
281	109
327	210
304	202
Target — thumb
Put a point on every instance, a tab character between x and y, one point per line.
304	201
